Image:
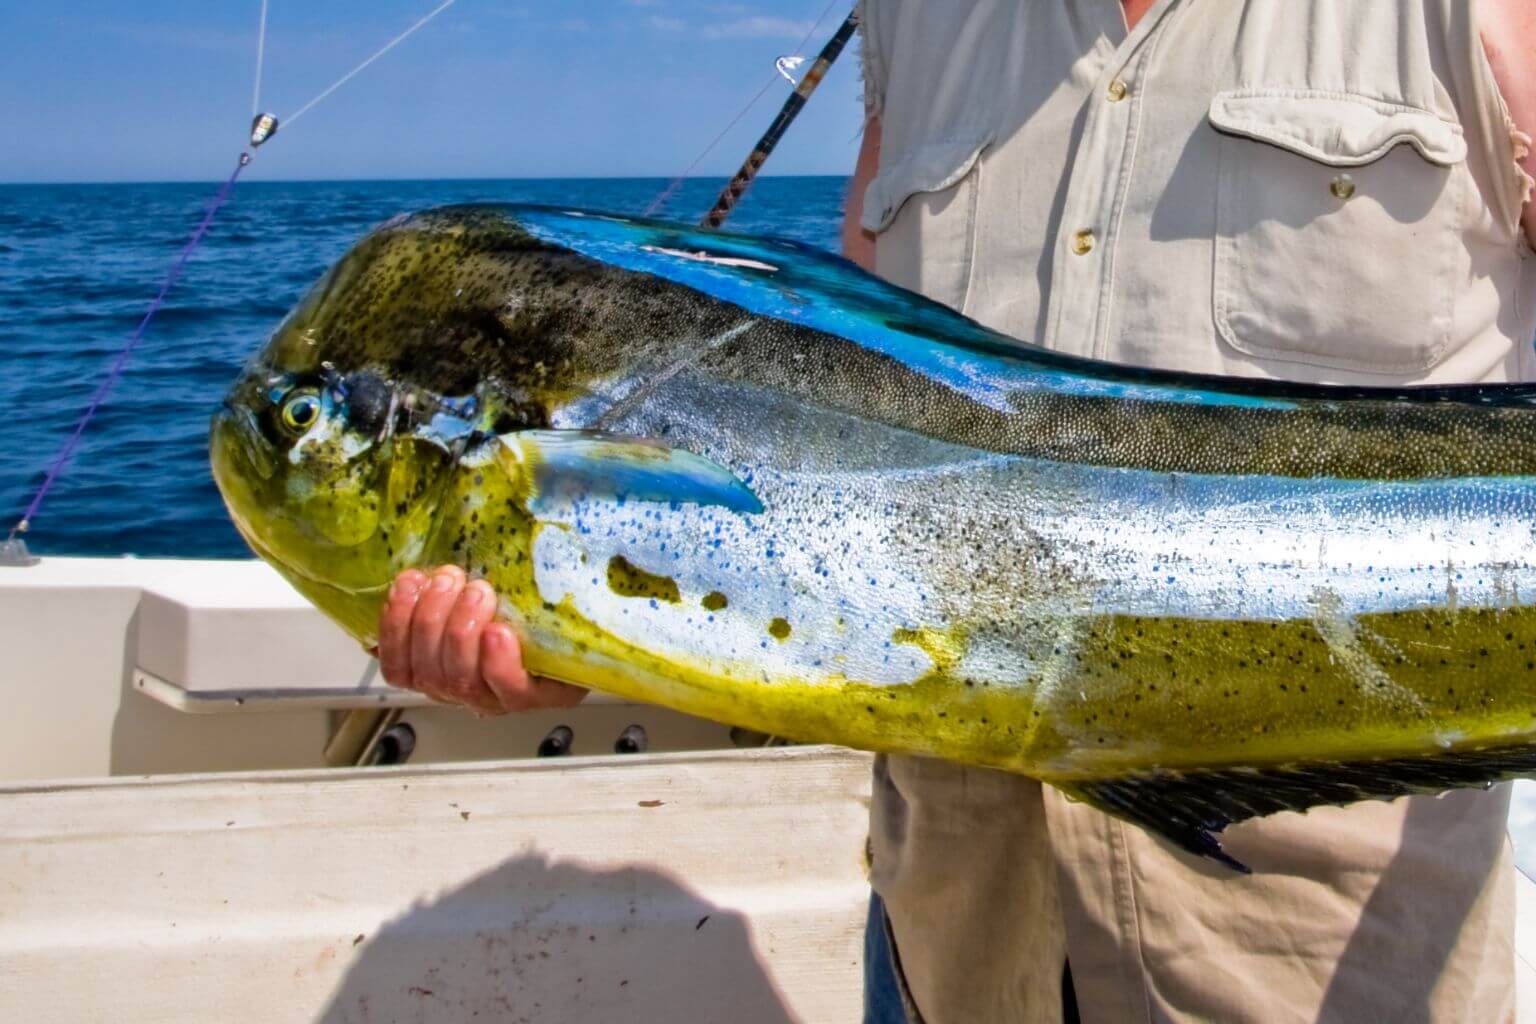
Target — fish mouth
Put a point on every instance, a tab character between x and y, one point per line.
239	459
239	453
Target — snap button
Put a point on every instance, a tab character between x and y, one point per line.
1342	187
1118	90
1082	243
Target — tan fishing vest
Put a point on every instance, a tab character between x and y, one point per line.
1317	190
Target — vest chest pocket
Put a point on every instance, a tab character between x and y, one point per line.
923	208
1338	230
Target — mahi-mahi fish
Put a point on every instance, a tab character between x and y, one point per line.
744	479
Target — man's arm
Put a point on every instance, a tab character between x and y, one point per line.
1509	35
858	244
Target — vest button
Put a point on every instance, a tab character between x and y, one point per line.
1082	243
1342	187
1118	90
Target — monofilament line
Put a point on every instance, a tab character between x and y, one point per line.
261	50
773	79
344	79
121	362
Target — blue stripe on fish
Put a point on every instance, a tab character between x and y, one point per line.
797	283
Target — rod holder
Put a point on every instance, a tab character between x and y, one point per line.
14	554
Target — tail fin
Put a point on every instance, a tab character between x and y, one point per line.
1189	807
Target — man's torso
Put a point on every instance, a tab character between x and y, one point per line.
1285	188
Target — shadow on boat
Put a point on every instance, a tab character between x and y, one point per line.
543	939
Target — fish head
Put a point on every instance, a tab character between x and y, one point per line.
338	444
319	482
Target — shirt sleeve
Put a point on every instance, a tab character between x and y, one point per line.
876	20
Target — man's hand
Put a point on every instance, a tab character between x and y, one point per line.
438	636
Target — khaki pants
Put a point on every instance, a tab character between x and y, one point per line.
1400	911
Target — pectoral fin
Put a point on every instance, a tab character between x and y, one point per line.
1188	808
566	466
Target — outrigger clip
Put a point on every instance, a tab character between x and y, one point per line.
13	550
263	127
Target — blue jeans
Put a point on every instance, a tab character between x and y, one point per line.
883	1001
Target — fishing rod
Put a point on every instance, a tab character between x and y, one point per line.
738	185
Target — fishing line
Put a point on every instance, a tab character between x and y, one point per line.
12	550
773	79
344	79
121	363
261	49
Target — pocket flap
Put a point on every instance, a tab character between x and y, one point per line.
932	167
1338	128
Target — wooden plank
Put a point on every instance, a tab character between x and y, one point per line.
687	887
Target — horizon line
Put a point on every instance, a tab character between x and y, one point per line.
397	181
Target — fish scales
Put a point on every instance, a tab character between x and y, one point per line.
744	479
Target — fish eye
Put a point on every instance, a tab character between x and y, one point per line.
300	410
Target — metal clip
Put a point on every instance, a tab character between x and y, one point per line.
263	127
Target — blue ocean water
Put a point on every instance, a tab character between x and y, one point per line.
79	265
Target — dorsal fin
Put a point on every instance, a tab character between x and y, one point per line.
1188	808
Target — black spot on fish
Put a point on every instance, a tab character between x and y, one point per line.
629	580
369	397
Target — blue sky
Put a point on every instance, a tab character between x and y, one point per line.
160	90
